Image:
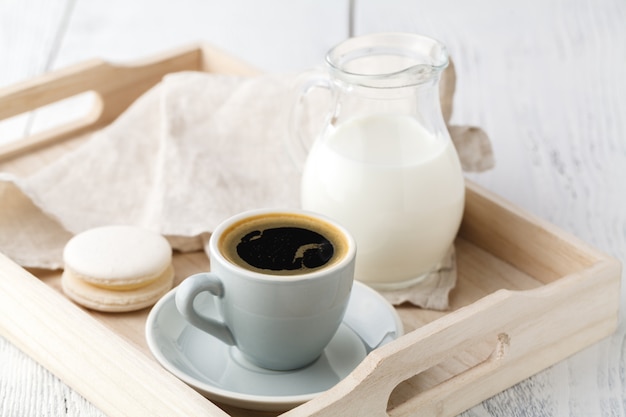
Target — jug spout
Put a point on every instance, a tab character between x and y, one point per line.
388	60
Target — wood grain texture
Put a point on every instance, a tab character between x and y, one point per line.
544	79
496	333
28	47
273	35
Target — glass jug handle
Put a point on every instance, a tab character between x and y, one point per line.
298	141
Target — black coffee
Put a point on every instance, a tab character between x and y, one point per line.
283	244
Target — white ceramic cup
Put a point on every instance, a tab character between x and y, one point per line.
277	322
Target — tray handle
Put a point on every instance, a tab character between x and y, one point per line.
116	87
367	390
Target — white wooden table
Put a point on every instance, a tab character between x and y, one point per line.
545	78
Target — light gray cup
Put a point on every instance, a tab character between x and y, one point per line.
276	322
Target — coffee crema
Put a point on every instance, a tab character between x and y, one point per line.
283	244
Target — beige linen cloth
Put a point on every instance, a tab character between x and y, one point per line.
192	151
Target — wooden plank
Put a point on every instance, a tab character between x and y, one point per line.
27	47
552	113
273	35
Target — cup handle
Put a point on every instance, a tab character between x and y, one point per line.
187	292
297	144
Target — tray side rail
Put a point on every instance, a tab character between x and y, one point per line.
529	331
114	375
116	88
527	242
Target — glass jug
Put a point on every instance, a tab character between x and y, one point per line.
383	164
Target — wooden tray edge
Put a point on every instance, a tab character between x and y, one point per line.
136	384
113	374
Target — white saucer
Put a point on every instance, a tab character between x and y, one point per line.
219	372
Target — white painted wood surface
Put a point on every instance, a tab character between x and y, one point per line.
545	79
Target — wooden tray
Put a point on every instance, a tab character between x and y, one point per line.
528	294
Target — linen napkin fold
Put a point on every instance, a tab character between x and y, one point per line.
192	151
